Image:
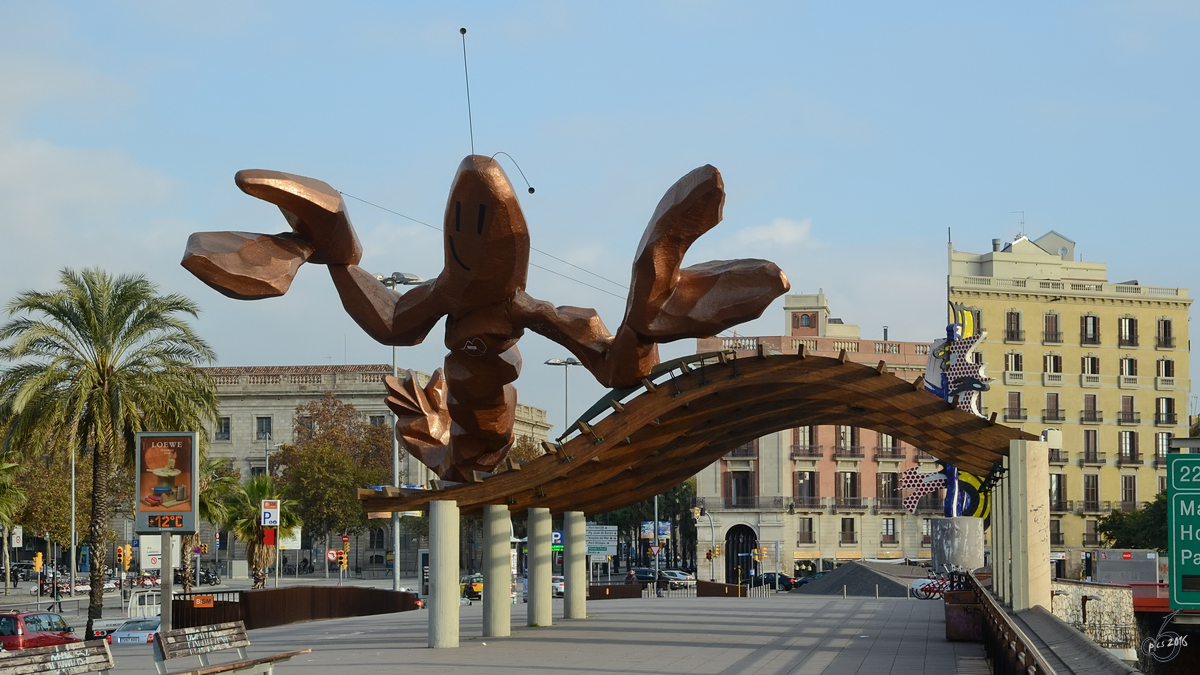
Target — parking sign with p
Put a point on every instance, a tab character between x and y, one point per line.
270	513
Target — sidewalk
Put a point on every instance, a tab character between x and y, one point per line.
788	633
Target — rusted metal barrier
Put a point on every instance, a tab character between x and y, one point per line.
614	591
1010	650
279	606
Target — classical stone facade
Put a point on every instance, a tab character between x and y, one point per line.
822	494
1105	363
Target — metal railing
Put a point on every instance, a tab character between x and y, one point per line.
888	452
1014	335
883	504
1058	457
748	450
849	504
1127	506
740	502
1057	539
807	451
923	456
1127	341
1165	342
1053	337
1091	539
1053	415
1097	506
849	452
1129	459
807	503
1091	417
1010	650
848	538
805	537
1059	506
1093	339
885	539
1165	419
1129	417
1096	458
1014	414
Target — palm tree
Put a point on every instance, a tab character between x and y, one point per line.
94	362
216	487
244	521
12	497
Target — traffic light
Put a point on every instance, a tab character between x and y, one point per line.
121	555
128	556
342	562
708	554
204	549
37	561
718	550
695	513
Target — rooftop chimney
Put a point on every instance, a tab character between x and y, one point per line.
996	245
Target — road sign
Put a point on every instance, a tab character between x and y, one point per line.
135	543
270	513
1183	528
600	550
331	555
654	550
17	540
345	539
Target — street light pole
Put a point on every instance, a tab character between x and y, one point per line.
566	364
72	451
397	279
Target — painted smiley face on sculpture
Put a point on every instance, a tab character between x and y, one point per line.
486	240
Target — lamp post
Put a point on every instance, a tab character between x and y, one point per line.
566	364
396	279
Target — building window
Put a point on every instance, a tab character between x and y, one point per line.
1090	445
795	321
1162	483
1162	445
846	488
847	437
1164	410
1164	337
1089	412
1013	362
1128	493
1166	368
1012	326
1051	331
887	531
1089	330
1052	363
1015	411
1058	492
804	531
1127	331
749	449
805	320
1056	535
377	538
256	471
1090	365
1091	492
262	429
739	488
977	357
221	432
926	531
889	490
1129	366
377	420
807	488
1127	441
804	436
848	536
1090	538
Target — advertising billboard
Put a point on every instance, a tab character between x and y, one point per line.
166	481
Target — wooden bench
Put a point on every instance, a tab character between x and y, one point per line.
79	657
201	641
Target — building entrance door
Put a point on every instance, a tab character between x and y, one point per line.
740	542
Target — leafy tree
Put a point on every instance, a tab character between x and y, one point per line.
218	482
12	497
46	480
243	519
675	507
336	452
92	363
1141	528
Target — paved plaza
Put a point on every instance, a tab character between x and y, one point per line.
788	633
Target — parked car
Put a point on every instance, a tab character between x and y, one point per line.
642	575
470	586
557	586
134	632
679	579
768	579
22	630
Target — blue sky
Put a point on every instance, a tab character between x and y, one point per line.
851	137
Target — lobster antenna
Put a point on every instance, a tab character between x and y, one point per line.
467	79
518	169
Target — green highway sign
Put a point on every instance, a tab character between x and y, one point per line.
1183	528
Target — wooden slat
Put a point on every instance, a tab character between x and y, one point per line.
239	665
173	644
73	659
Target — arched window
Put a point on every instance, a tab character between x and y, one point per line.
805	320
795	321
377	538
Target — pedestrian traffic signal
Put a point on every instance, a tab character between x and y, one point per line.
37	561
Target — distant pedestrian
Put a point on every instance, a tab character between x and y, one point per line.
660	584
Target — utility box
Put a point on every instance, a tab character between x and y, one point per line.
1124	566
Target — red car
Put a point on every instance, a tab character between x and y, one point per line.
22	630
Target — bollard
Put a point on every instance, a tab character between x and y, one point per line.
876	591
843	591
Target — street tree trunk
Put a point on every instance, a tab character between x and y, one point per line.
98	533
189	544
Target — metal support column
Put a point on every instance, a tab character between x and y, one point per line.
539	568
443	574
497	572
575	583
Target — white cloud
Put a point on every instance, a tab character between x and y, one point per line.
780	231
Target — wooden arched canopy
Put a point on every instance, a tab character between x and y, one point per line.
693	411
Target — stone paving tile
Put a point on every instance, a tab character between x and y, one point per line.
789	634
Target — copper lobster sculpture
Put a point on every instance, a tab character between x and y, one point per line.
462	420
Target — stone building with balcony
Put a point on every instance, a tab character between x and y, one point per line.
257	409
819	495
1105	363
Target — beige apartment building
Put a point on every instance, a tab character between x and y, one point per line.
1107	363
819	495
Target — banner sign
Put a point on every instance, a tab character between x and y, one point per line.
166	482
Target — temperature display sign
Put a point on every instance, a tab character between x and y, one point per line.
166	482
